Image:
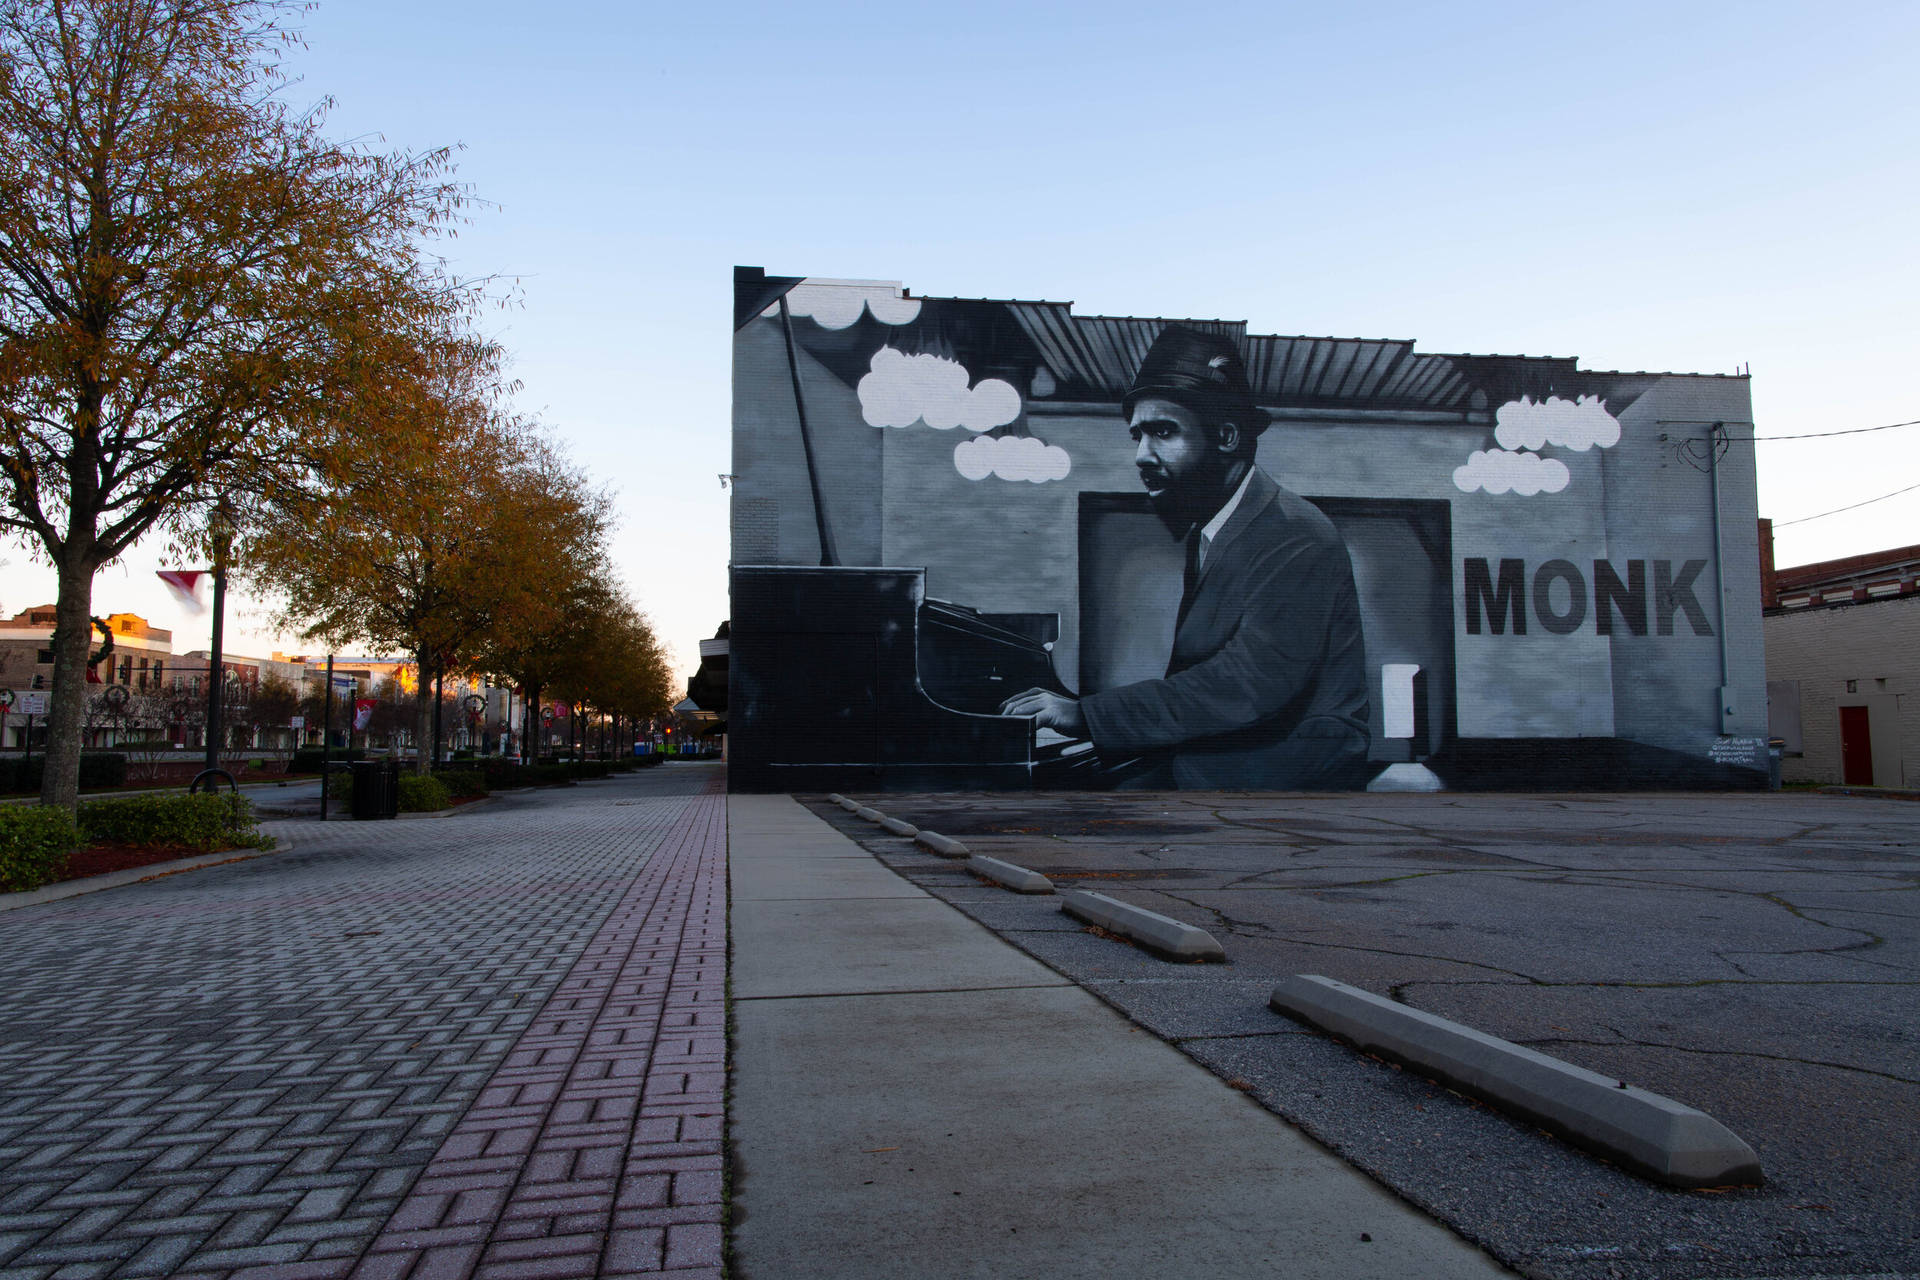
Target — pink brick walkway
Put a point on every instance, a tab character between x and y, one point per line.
594	1149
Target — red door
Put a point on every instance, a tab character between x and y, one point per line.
1856	748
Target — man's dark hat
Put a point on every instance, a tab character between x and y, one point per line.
1200	370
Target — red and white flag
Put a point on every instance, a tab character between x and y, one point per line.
185	585
363	712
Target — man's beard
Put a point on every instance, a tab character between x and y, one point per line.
1188	501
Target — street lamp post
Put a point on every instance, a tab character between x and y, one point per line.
116	697
222	544
326	741
439	693
476	706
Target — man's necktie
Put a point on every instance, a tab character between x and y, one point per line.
1192	577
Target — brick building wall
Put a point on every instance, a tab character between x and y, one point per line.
26	657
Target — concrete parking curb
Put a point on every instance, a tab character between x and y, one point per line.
868	812
1006	874
134	875
899	827
1650	1134
945	846
849	805
449	811
1874	793
1162	935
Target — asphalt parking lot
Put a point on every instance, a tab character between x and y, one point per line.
1756	956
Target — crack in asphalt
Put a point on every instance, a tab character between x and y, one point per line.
1731	963
1340	884
1639	984
1246	929
1635	1042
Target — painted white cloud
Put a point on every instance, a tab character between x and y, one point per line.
835	306
1498	471
1570	424
901	390
1011	458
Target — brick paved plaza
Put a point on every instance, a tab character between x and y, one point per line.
490	1045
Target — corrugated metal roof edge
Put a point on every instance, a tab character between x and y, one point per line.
1666	373
1277	337
1084	315
1162	319
1328	337
1575	360
1011	302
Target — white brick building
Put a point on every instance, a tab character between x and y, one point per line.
1843	669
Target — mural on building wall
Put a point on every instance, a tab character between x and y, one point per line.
994	543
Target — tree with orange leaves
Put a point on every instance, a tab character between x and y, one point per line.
462	530
191	274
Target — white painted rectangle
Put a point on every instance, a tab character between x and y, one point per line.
1396	698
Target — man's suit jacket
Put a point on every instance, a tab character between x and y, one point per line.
1267	686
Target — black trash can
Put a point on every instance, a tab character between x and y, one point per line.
376	789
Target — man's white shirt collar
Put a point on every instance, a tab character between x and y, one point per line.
1211	529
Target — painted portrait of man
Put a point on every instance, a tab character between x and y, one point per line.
1266	685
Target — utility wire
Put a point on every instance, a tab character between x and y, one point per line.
1781	524
1808	435
1855	431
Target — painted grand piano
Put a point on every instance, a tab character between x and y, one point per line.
850	678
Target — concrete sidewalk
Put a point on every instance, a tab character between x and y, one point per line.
914	1096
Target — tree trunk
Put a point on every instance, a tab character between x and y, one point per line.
422	715
72	638
530	744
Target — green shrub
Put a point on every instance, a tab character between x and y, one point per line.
203	822
307	759
423	793
34	844
498	774
461	783
499	771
